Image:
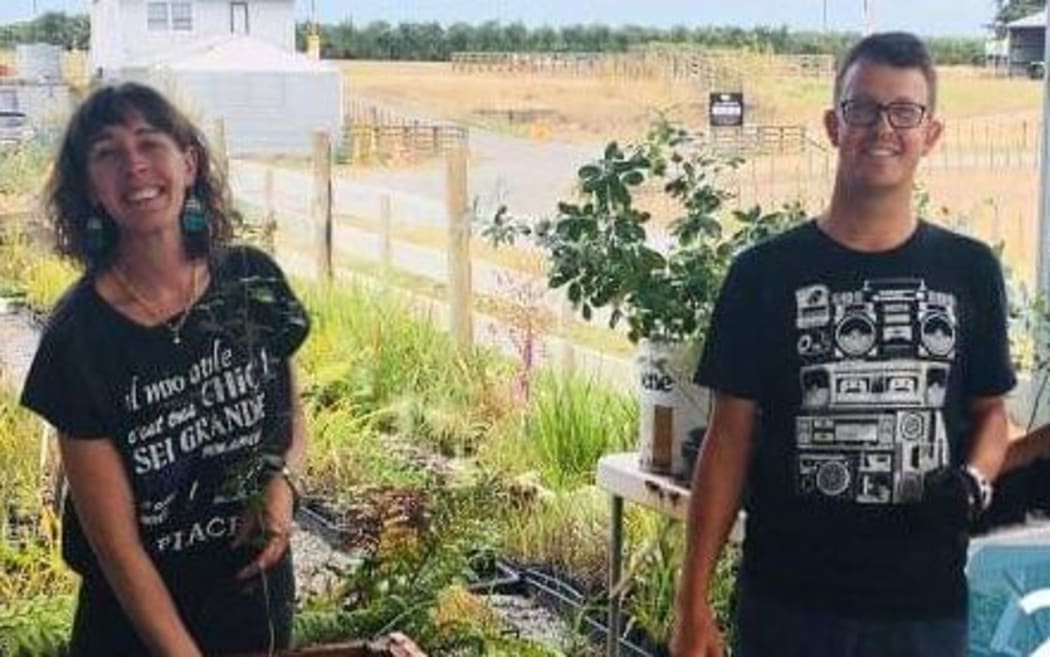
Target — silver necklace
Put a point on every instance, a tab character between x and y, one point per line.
175	325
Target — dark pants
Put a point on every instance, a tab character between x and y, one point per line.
769	628
222	615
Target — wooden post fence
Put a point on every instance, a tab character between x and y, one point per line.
459	275
222	153
269	210
566	318
322	205
385	239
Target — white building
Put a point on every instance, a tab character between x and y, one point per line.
222	59
127	30
270	100
1018	46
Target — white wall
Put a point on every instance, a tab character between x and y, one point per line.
271	113
124	35
45	104
107	37
267	113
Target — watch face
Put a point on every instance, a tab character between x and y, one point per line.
275	461
983	486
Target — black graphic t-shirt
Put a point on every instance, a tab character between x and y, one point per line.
189	419
863	366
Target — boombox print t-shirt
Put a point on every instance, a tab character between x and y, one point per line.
875	365
863	366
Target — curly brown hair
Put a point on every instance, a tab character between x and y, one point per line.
67	194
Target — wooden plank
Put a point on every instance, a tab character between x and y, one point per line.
459	270
322	205
220	149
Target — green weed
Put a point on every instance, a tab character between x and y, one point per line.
571	423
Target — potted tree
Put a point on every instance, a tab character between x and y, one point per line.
661	285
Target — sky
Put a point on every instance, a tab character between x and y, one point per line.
926	17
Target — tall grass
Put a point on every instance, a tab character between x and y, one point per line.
28	268
46	280
656	546
35	585
396	372
566	427
22	167
345	451
566	532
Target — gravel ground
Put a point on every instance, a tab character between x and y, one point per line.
18	341
532	621
319	568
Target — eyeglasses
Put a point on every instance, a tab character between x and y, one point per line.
865	113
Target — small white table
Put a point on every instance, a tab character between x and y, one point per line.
623	478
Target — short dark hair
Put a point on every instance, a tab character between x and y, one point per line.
897	49
67	193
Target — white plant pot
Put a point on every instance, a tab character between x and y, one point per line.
670	404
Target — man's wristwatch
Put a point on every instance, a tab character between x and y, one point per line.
276	465
981	488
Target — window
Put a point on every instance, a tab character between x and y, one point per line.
239	18
182	16
157	16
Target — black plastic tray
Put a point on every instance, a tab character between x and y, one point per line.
571	605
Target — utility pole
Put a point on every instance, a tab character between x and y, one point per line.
869	17
825	21
1042	240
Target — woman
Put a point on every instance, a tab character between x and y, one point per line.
166	370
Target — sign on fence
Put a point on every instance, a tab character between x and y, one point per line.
726	109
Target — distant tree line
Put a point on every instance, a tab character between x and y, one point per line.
58	28
434	42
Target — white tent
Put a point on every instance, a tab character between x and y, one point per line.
270	100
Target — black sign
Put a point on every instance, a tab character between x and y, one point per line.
726	109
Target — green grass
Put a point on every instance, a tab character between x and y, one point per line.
35	585
567	531
22	167
565	427
36	627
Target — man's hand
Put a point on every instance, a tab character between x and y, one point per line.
697	636
272	522
946	500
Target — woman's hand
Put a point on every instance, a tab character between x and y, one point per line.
272	521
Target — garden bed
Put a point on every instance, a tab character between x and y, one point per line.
359	525
565	600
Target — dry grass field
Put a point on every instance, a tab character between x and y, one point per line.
983	177
599	108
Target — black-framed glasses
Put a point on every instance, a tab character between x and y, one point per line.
866	113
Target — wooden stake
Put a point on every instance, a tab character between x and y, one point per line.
459	274
322	204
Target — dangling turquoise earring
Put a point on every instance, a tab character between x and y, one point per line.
194	219
94	236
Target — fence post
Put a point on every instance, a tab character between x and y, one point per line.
566	316
386	243
459	274
222	153
322	205
269	210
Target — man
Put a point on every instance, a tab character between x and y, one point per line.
858	364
